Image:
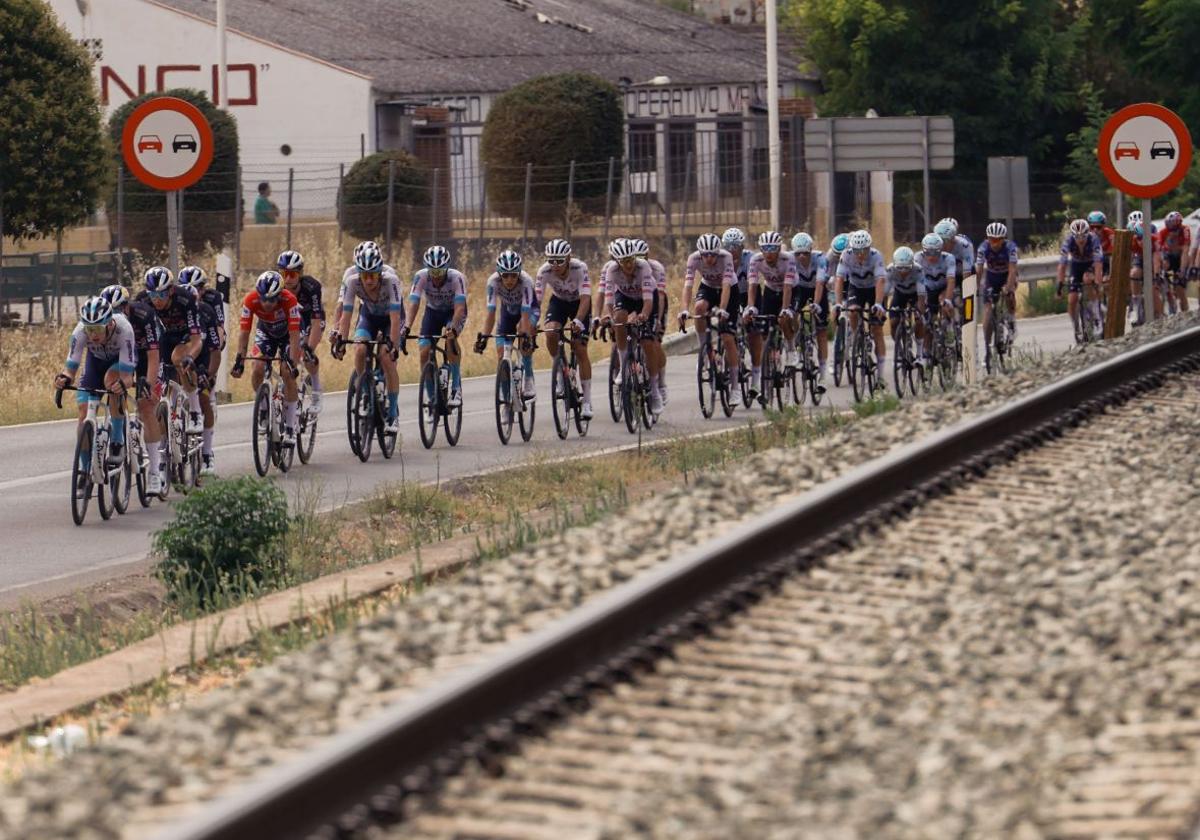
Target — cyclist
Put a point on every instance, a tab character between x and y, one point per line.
146	330
959	247
277	334
714	295
774	271
630	296
937	269
180	341
733	240
810	291
194	278
210	310
307	289
1175	240
1098	224
864	269
1136	301
833	257
906	291
570	302
445	292
381	310
1082	251
996	262
513	291
111	361
641	248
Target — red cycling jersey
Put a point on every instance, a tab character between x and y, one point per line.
1106	239
283	317
1175	241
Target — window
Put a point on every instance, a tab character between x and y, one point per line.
730	158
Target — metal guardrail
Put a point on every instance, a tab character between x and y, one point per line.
365	775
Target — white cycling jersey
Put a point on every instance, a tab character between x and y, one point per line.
576	282
862	271
445	295
775	277
387	297
118	344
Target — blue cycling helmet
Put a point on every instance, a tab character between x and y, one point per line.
117	295
269	285
436	257
903	257
840	243
192	275
1137	229
931	244
1097	218
368	257
733	238
509	262
95	312
159	278
802	243
290	260
945	229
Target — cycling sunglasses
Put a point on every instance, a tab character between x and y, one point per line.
509	275
158	294
437	273
95	330
770	249
557	260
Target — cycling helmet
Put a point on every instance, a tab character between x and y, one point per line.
558	249
623	249
159	279
95	312
192	275
436	256
289	260
945	229
368	257
733	238
1174	219
1134	218
708	243
509	262
770	239
840	243
903	257
860	240
802	243
953	222
641	248
931	243
1137	229
1096	217
1079	227
269	285
118	296
997	230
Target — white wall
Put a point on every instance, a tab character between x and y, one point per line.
277	96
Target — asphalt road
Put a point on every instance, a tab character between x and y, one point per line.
44	555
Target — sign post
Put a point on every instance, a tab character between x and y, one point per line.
1008	188
970	329
1145	151
168	145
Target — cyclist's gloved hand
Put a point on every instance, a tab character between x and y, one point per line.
721	313
595	324
683	316
1194	273
816	309
838	307
291	366
239	366
578	326
187	362
750	312
310	355
878	310
403	341
61	381
787	313
480	343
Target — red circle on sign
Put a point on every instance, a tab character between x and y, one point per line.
1182	161
194	116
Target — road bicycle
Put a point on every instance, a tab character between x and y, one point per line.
712	370
367	403
778	382
945	348
306	418
1001	329
809	369
433	394
635	380
906	373
91	470
840	358
180	448
566	394
604	332
511	402
862	369
744	363
267	421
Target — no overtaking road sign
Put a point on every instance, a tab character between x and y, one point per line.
1144	150
167	143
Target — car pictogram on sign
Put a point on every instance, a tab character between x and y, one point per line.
1162	148
183	141
149	143
1128	149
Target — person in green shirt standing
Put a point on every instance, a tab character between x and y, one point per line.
265	211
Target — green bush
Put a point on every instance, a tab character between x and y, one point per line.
364	202
550	121
227	535
209	205
1044	301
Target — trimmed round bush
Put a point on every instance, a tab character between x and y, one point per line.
364	203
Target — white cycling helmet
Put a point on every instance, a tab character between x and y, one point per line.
802	243
95	312
903	257
996	230
953	222
509	262
1134	218
1174	219
733	238
558	249
931	243
368	257
770	239
708	243
623	249
860	240
192	275
436	256
641	248
1079	227
945	229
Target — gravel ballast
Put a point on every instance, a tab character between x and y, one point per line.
129	785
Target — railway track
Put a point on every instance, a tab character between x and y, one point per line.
571	732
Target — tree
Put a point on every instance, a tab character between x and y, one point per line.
364	202
209	205
550	121
53	156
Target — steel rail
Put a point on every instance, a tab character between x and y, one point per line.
364	775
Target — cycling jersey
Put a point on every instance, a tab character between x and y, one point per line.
1174	241
863	273
741	269
281	319
213	298
905	283
387	297
178	317
832	260
660	274
996	261
774	277
1090	252
146	328
964	255
721	273
520	298
576	282
208	328
936	270
639	284
117	345
308	295
451	292
1136	255
1106	239
810	274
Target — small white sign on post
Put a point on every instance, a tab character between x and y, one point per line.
970	329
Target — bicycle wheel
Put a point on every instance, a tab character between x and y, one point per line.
725	393
526	418
306	434
839	351
81	471
427	404
581	423
351	425
560	397
614	390
121	484
283	455
504	410
870	370
260	430
706	376
452	418
743	371
141	477
854	370
629	389
163	417
912	373
387	440
363	415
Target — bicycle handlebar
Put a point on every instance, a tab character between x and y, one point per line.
96	392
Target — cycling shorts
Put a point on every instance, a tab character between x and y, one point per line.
769	302
993	285
1076	272
94	370
265	346
509	320
433	322
712	296
863	296
1172	262
563	312
802	296
371	325
903	300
